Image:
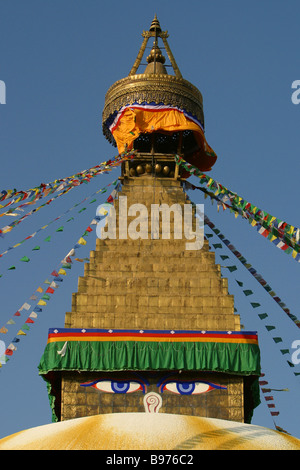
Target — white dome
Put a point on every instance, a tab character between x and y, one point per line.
147	431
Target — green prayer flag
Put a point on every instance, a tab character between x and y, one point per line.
232	268
36	248
240	283
25	327
60	229
47	239
284	351
255	304
12	267
223	257
270	327
67	266
262	316
248	292
277	339
25	259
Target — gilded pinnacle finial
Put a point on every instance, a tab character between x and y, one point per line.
155	26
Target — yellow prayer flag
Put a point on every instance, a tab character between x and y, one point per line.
42	302
20	332
81	241
62	271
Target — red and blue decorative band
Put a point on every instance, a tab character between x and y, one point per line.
72	334
113	121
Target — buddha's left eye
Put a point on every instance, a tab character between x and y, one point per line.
189	387
116	386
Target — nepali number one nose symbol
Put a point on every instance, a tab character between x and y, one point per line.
152	402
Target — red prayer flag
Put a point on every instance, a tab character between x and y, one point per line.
50	290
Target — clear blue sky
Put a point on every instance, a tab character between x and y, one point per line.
57	59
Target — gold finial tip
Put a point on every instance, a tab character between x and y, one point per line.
155	26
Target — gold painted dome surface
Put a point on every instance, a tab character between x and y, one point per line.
149	431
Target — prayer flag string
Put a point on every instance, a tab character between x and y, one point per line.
38	304
259	278
252	271
269	401
59	184
102	190
255	305
284	236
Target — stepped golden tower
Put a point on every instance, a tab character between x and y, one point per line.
152	327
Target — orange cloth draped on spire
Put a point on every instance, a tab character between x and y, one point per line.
139	119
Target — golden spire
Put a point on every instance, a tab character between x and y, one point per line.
155	85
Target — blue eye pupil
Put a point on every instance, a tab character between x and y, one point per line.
186	388
120	387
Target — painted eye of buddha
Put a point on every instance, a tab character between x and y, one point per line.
188	387
116	386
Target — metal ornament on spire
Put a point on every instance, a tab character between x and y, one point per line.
155	32
150	87
128	115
